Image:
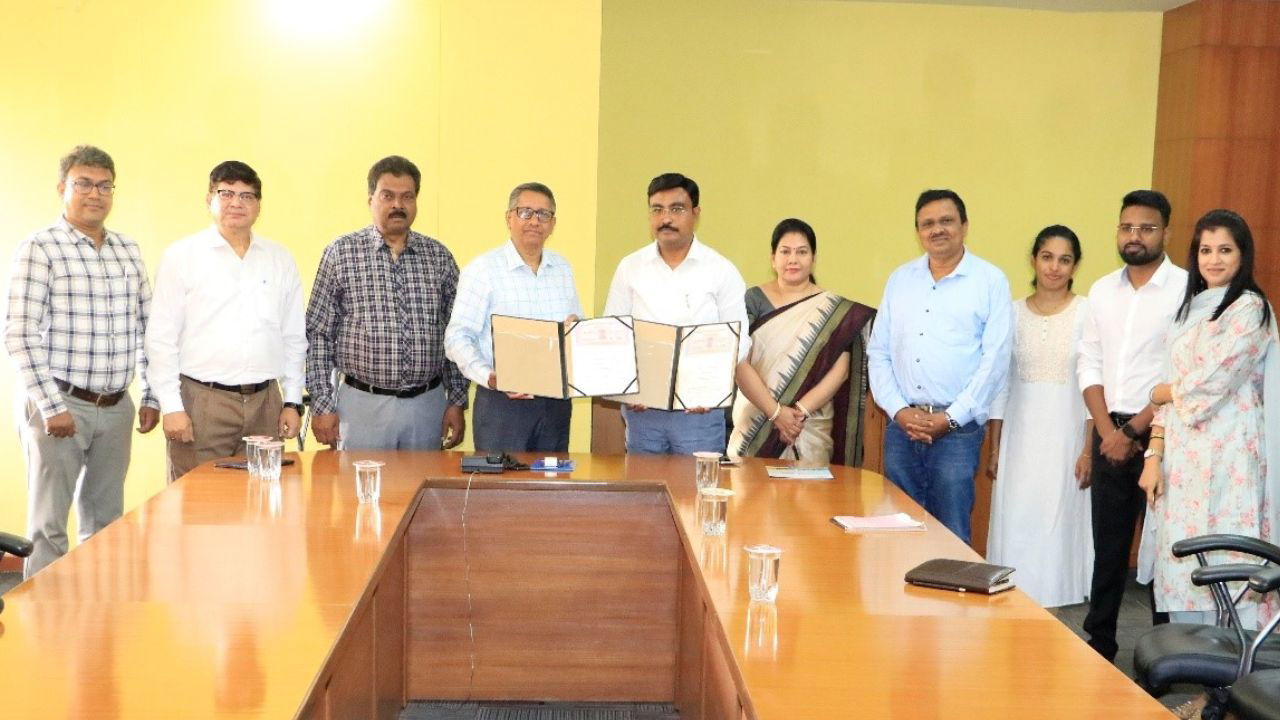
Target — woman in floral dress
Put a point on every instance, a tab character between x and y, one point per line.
1206	469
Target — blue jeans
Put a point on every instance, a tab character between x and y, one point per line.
938	476
675	432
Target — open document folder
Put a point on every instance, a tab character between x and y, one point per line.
685	366
584	358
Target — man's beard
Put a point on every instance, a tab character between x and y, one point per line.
1142	256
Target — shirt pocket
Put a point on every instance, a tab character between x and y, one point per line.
121	288
267	302
702	307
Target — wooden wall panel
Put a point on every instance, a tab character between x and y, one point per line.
689	654
389	632
601	625
350	692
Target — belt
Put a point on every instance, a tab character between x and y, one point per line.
251	389
98	399
930	408
414	391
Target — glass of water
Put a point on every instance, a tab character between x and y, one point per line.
706	469
713	508
368	480
251	444
762	572
270	453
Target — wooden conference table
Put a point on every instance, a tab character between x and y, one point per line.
220	598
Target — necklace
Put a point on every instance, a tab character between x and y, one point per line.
1037	309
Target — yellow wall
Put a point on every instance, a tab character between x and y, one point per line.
842	112
481	96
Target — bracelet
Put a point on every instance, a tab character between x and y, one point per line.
803	409
1151	396
1157	437
776	410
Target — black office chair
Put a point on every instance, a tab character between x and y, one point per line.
14	545
1256	695
1212	656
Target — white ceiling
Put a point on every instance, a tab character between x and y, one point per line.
1062	5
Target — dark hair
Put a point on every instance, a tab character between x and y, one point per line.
397	166
1053	231
929	196
536	187
235	171
1153	199
1196	284
87	156
671	181
795	225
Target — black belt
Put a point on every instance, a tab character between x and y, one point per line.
251	389
405	393
98	399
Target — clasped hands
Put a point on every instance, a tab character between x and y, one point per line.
922	426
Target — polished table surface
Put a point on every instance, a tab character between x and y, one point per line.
220	597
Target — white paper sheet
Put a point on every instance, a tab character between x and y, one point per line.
705	368
604	357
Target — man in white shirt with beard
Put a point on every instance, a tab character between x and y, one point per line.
227	333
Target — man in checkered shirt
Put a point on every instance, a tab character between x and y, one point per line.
78	304
376	368
523	278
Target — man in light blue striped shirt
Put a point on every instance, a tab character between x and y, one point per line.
524	279
939	354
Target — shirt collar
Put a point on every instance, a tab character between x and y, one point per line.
512	260
697	251
109	238
964	267
1159	278
376	241
212	238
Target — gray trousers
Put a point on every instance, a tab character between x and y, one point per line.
506	425
88	467
382	422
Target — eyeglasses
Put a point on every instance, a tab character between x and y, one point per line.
245	197
676	210
946	222
1145	231
524	213
82	186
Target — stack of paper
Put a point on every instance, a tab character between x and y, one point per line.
897	522
796	472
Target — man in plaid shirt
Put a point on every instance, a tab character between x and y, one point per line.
78	304
376	368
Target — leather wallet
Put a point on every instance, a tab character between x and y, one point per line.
962	576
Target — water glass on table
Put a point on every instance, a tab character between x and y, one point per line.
251	461
368	480
270	454
713	509
706	469
763	562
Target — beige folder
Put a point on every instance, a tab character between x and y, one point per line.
536	357
659	348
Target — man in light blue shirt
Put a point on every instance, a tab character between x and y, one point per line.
939	354
524	279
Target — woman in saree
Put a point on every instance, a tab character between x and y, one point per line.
802	387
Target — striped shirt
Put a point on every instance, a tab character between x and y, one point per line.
499	282
77	314
381	321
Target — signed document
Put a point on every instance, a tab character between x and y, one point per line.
681	367
562	360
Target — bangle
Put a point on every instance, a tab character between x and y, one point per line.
1156	437
803	409
1151	396
776	410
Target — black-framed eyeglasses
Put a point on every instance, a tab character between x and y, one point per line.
84	187
229	195
1145	231
524	213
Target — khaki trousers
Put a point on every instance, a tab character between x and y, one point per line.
220	419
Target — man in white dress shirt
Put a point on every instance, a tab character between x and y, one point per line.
1122	356
521	278
227	333
678	281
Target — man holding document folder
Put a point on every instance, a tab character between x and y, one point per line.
676	280
520	278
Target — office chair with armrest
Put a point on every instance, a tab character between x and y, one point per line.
1212	656
1256	695
14	545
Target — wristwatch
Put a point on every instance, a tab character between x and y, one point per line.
1152	452
295	406
951	422
1129	432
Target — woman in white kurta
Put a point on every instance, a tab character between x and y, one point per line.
1040	522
